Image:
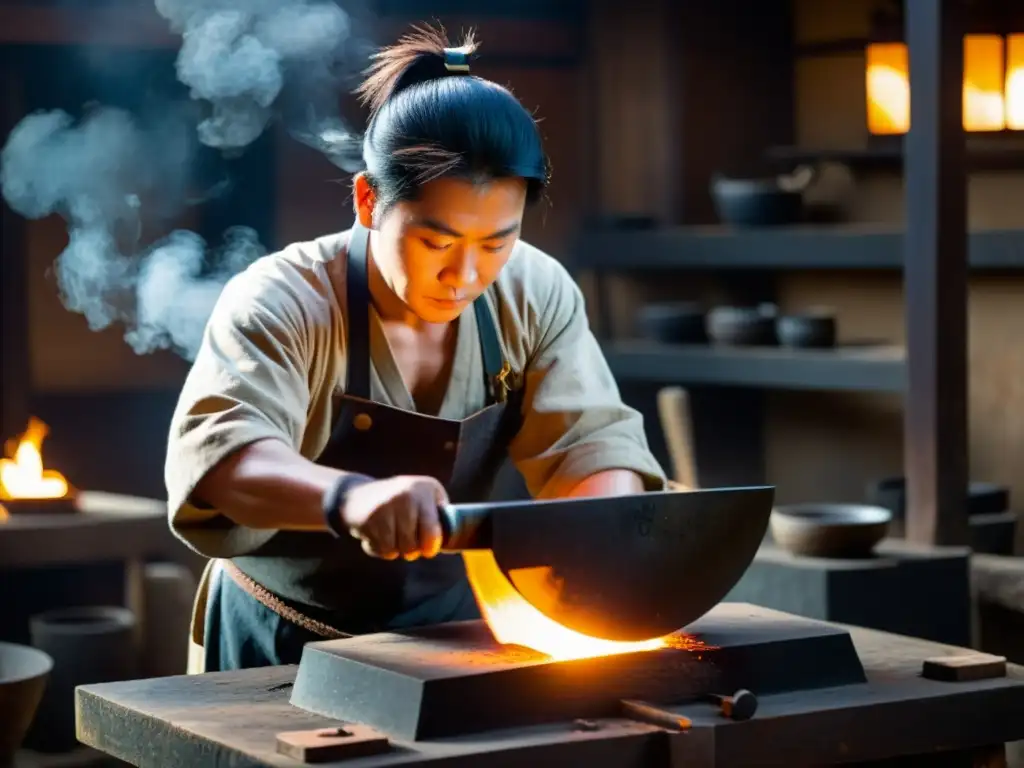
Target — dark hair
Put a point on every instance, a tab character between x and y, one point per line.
430	118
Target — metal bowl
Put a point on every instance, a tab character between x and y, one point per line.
829	530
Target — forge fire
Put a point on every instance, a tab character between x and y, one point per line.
513	621
23	474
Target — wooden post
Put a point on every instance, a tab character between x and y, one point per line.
935	276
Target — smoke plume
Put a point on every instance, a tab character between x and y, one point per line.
250	59
246	63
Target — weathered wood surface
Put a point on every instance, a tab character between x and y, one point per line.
109	527
232	718
969	666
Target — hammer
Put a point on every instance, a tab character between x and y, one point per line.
740	706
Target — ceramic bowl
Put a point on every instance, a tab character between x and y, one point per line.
741	326
829	529
755	202
673	323
809	330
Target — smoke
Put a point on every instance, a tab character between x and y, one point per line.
95	172
107	172
250	59
178	318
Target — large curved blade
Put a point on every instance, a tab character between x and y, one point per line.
631	567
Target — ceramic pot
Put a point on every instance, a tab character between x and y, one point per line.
93	644
672	323
844	531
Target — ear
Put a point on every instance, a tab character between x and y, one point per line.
364	199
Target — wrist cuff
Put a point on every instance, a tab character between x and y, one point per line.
335	497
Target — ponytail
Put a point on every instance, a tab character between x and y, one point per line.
418	57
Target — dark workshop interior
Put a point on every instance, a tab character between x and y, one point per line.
799	229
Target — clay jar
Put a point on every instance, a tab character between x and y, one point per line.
88	645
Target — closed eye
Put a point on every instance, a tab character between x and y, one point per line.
435	246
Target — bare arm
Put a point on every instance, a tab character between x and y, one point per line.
268	485
612	482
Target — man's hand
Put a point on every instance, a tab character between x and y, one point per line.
396	517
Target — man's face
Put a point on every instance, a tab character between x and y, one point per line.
442	250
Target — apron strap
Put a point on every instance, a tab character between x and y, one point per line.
490	345
357	293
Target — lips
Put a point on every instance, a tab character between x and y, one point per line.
447	303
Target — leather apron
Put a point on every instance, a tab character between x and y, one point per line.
331	580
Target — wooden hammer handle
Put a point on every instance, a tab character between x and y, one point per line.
676	423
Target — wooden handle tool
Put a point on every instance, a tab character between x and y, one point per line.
676	423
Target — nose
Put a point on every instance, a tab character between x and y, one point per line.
461	270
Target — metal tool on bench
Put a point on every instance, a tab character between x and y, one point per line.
624	567
742	705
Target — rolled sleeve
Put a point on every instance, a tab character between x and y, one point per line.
575	423
248	383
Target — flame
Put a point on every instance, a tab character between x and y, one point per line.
22	475
993	86
513	621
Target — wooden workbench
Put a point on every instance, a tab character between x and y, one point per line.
107	527
231	718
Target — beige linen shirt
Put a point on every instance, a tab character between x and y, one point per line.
273	358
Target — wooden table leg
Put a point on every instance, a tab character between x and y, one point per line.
135	596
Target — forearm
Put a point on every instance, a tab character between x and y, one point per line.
267	485
612	482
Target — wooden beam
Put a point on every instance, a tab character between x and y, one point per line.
935	277
831	247
129	24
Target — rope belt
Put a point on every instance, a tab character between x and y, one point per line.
269	600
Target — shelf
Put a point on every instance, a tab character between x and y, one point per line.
887	157
776	248
984	153
855	369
